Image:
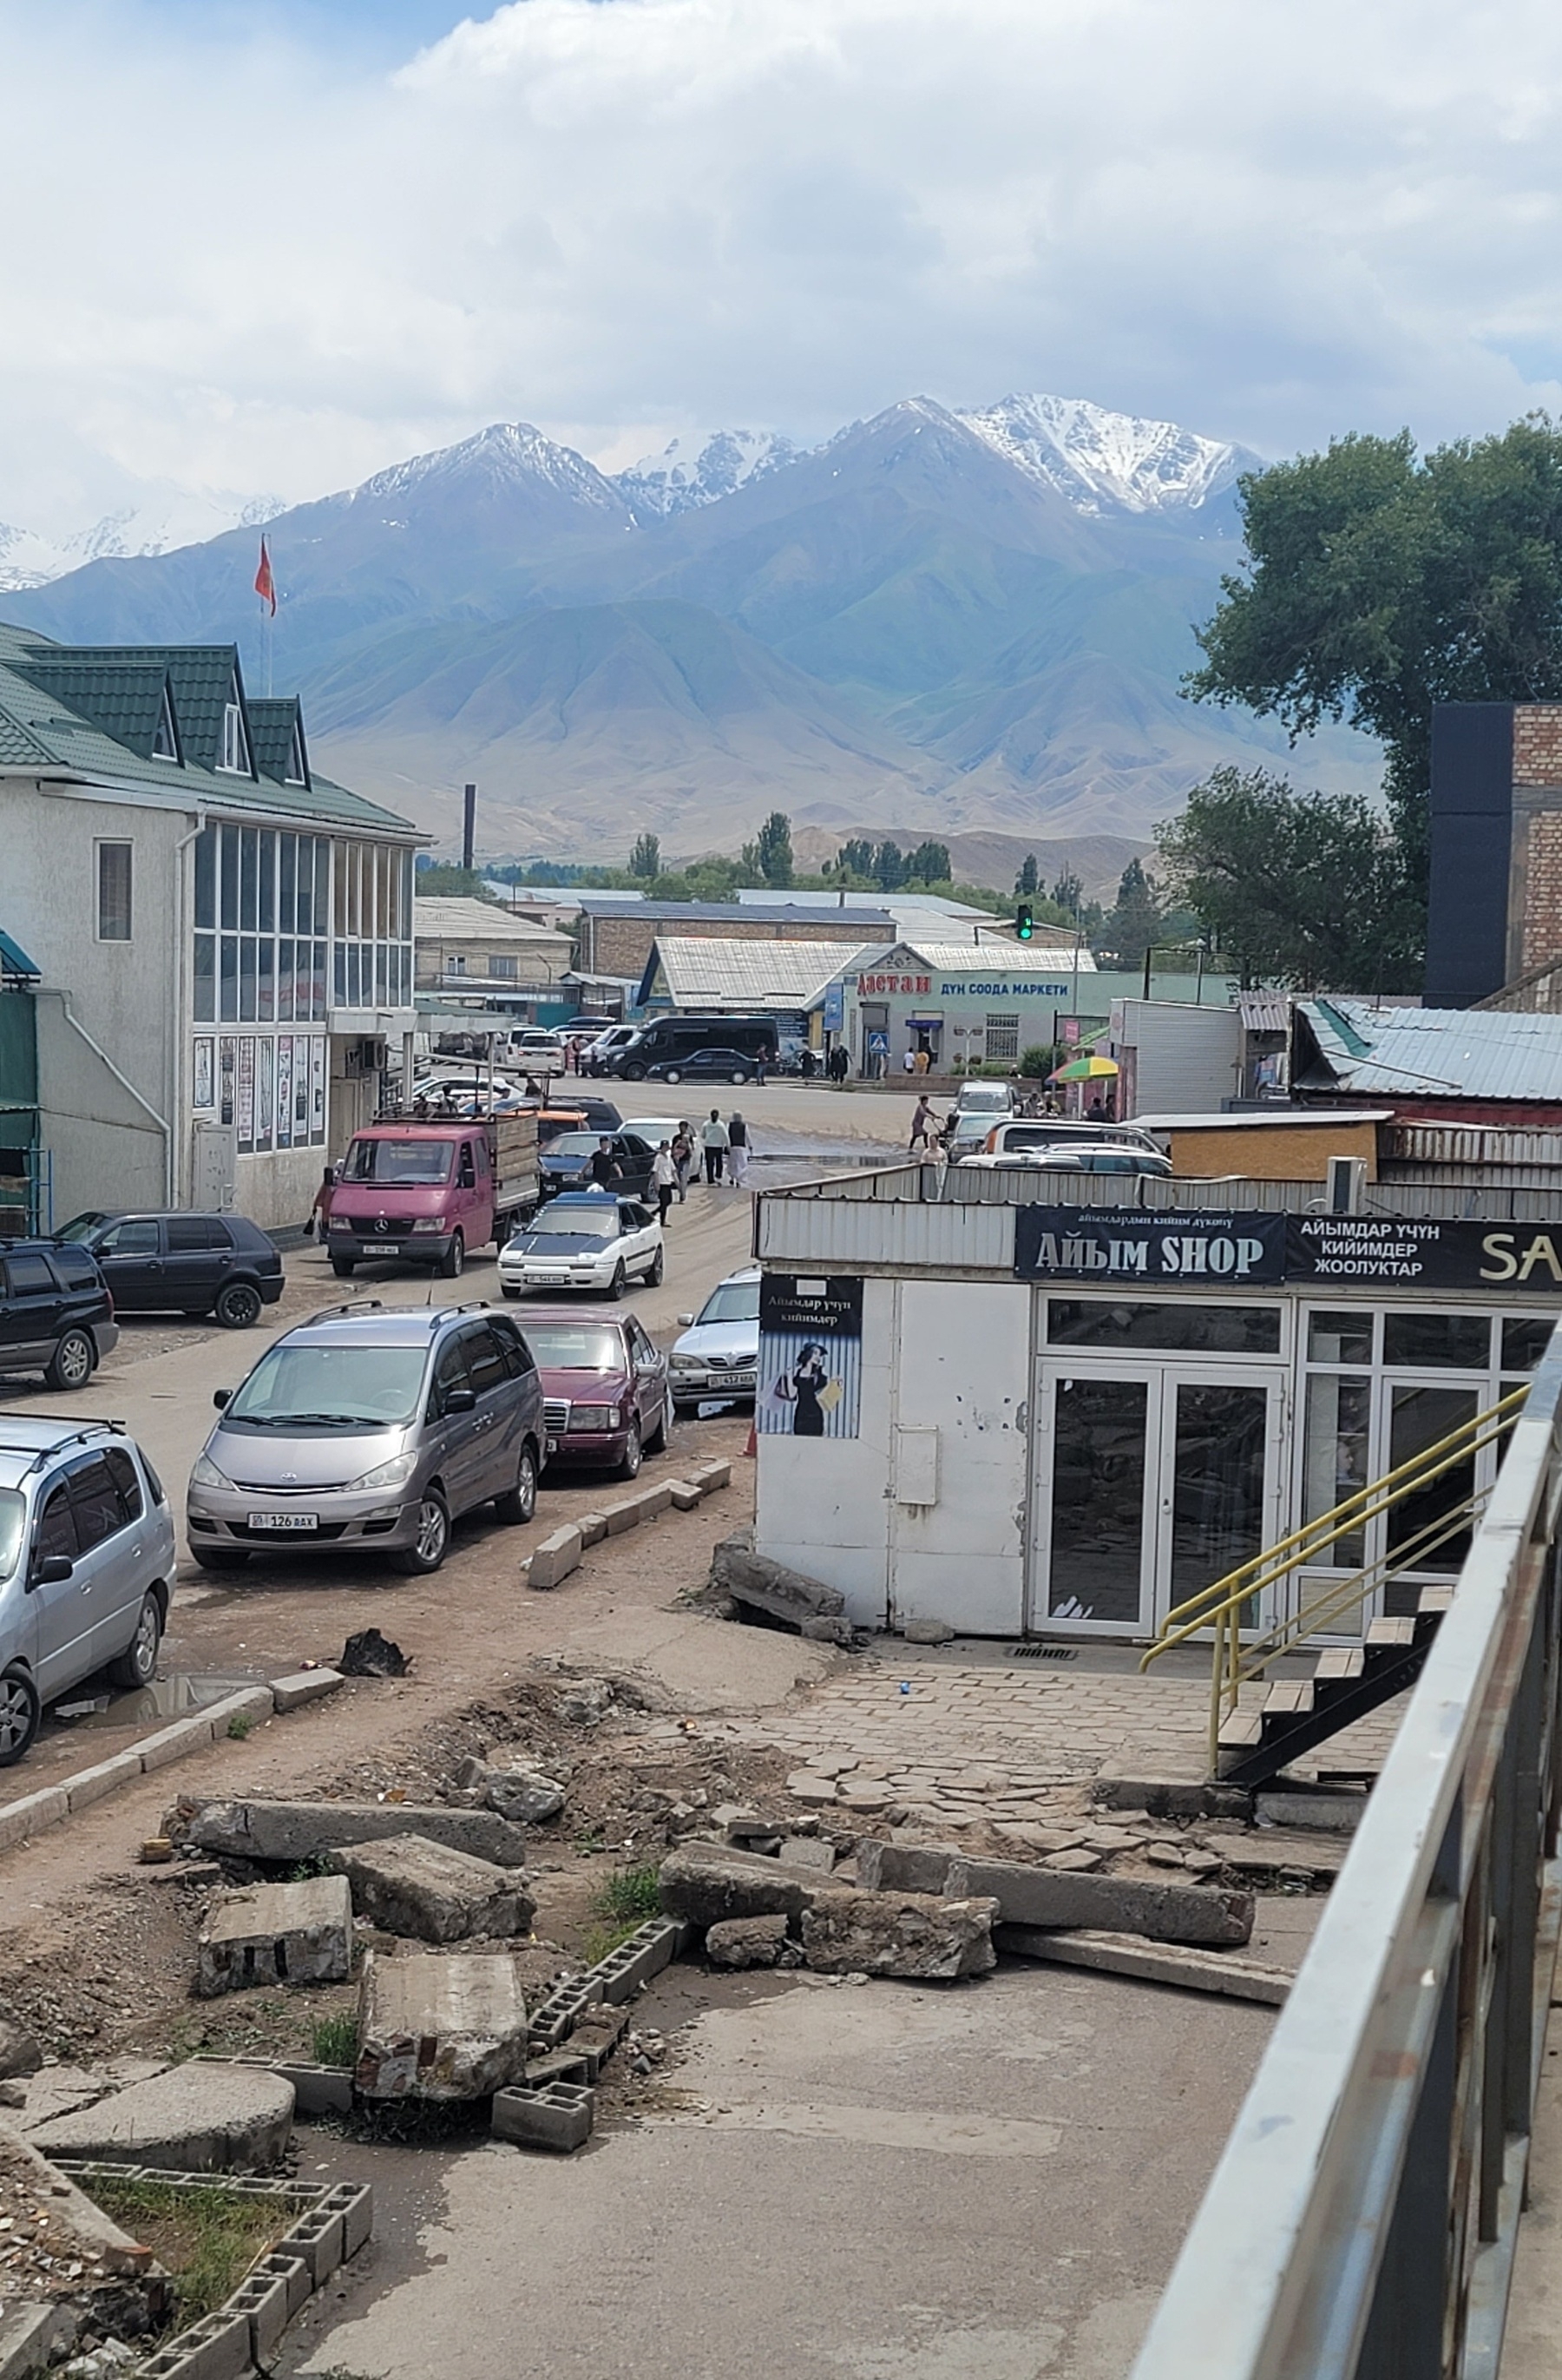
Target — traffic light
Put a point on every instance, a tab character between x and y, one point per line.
1025	924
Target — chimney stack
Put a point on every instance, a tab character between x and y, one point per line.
468	823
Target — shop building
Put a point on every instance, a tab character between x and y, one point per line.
966	1003
1062	1420
470	953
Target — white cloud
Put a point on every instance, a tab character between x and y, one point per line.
236	263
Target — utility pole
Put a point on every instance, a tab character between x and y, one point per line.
469	824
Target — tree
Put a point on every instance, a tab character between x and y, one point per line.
769	855
441	878
856	859
1068	892
646	857
1382	582
1028	882
929	864
889	867
1134	924
1298	888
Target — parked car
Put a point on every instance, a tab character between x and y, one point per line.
565	1163
969	1134
985	1099
152	1262
57	1315
707	1066
604	1384
586	1239
369	1429
570	1111
719	1353
86	1555
1103	1159
598	1055
1061	1133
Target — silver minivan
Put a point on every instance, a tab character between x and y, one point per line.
369	1429
87	1552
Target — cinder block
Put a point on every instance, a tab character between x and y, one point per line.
19	1821
555	2066
176	1742
655	1946
903	1867
317	2090
354	2201
593	1527
262	2300
301	1687
552	1561
683	1494
317	2239
293	2273
91	1785
558	2117
215	2348
597	2034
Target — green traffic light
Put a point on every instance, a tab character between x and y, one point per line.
1025	925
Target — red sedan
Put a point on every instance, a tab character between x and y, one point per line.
604	1384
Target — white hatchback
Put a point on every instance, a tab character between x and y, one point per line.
586	1239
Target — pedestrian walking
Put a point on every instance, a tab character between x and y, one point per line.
921	1124
319	1213
839	1064
808	1066
664	1173
908	1064
683	1157
737	1148
604	1166
713	1139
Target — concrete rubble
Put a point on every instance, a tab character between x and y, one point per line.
409	1885
201	2116
446	2028
751	1942
277	1933
906	1933
286	1832
1151	1962
522	1794
1049	1897
704	1884
753	1579
20	2053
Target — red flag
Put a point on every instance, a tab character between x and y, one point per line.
265	585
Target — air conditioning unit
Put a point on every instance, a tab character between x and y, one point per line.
366	1056
1346	1184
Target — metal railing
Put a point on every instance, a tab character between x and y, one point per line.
1226	1606
1361	2224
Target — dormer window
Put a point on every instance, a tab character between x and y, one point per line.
165	743
235	743
295	772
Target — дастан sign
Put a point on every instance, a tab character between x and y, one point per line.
1249	1250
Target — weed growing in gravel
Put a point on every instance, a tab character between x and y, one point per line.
239	1726
208	2239
337	2039
621	1905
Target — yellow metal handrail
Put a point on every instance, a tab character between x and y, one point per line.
1219	1605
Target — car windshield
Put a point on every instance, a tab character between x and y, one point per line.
576	1222
81	1227
330	1386
576	1346
979	1101
13	1512
732	1301
399	1161
575	1144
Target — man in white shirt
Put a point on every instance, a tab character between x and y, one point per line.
714	1141
664	1177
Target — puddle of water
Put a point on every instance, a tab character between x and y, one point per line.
165	1698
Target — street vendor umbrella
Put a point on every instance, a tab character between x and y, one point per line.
1084	1070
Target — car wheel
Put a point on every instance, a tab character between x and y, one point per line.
71	1364
344	1267
518	1503
433	1536
238	1305
653	1278
637	1074
673	1075
657	1442
629	1468
220	1557
454	1262
619	1281
737	1078
137	1665
19	1713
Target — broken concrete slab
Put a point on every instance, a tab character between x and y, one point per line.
903	1867
1053	1898
927	1632
289	1831
409	1885
277	1933
1161	1963
1169	1783
751	1942
769	1586
908	1934
301	1687
199	2117
36	2336
552	1561
433	2027
706	1883
80	2226
1339	1812
521	1794
821	1629
808	1851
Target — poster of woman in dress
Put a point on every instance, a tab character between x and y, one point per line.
810	1356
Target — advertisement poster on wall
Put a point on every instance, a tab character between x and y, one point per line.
204	1091
285	1091
810	1356
226	1060
246	1090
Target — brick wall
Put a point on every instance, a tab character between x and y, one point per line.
1542	890
1537	743
621	945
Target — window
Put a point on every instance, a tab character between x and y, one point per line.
1004	1036
1463	1342
29	1276
95	1495
57	1530
1339	1338
487	1363
187	1233
165	743
516	1354
454	964
236	745
1525	1341
449	1372
114	891
123	1472
295	773
130	1240
1195	1330
502	969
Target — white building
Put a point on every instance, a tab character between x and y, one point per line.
222	937
470	951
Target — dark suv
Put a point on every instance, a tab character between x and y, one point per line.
221	1265
57	1315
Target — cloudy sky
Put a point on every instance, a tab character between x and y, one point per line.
270	246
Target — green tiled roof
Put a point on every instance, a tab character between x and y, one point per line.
69	709
272	723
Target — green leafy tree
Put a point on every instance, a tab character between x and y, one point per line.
929	864
889	867
1137	921
443	877
646	857
767	860
1296	888
1382	582
1067	893
856	859
1028	882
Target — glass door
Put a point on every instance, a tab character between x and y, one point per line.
1219	1435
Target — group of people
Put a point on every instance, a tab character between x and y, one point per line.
724	1147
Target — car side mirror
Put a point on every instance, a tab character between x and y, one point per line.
686	1322
460	1400
53	1570
219	1397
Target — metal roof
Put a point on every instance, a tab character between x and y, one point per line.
1264	1012
1000	956
696	972
1433	1052
457	918
871	919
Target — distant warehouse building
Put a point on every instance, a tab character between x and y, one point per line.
616	937
787	980
473	952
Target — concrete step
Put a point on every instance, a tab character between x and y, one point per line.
1386	1641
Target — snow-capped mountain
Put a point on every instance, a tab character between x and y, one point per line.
700	470
167	519
506	455
1103	461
